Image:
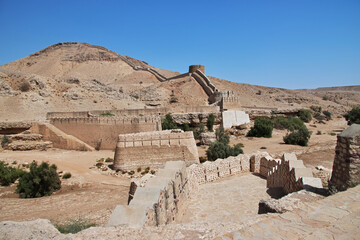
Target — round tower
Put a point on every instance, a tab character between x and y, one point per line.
193	68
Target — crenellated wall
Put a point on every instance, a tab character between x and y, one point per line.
154	149
106	130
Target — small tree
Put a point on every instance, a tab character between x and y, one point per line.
5	141
262	128
305	115
210	122
222	150
353	116
327	115
222	136
167	123
8	175
42	180
298	137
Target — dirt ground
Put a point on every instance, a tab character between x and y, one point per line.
92	194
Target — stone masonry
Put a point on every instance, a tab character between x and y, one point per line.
154	149
346	168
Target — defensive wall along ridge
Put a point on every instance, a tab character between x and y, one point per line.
163	199
154	149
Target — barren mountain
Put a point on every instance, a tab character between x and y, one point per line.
80	77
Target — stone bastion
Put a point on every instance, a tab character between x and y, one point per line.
154	149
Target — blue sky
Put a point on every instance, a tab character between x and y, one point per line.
288	44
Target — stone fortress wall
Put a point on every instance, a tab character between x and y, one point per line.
154	149
164	196
104	131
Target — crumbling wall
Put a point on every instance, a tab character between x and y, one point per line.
290	174
159	202
104	131
346	167
154	149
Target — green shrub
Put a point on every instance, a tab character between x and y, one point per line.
327	115
290	123
66	175
332	134
353	116
222	136
107	114
316	108
318	133
210	122
197	132
5	141
222	150
167	123
262	128
305	115
8	175
186	127
74	226
109	160
318	116
42	180
325	98
298	137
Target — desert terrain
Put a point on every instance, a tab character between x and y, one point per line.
83	77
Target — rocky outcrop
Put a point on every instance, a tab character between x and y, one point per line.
206	138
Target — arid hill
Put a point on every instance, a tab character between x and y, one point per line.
80	77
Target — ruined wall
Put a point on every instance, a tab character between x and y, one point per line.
290	174
105	129
346	167
154	149
160	202
193	68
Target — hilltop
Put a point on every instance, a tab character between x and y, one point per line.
79	76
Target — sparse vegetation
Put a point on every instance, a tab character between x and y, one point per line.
138	169
107	114
66	175
291	123
298	137
332	134
325	98
109	160
210	122
222	136
25	86
316	108
5	141
305	115
167	123
173	99
8	175
327	115
318	133
42	180
353	116
262	128
74	226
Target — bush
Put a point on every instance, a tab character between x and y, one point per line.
222	136
298	137
25	86
316	108
109	160
197	132
318	133
327	115
5	141
66	175
186	127
42	180
262	128
353	116
210	122
74	226
318	116
8	175
167	123
290	123
222	150
107	114
305	115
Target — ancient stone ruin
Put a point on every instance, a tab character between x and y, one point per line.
346	168
154	149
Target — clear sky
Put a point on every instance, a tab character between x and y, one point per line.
289	44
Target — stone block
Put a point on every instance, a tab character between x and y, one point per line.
223	167
234	165
289	156
211	171
234	118
245	162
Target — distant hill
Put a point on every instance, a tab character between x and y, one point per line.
80	77
332	89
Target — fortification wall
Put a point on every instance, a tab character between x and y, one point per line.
105	130
134	112
346	168
154	149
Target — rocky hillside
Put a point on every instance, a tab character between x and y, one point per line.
80	76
